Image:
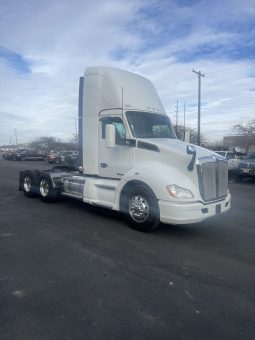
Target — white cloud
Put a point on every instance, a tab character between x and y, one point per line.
158	40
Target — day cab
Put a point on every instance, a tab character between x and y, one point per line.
131	159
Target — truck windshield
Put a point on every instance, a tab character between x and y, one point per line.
149	125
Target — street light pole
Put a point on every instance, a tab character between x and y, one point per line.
176	122
199	74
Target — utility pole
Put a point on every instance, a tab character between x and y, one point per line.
184	119
199	74
16	137
176	124
176	116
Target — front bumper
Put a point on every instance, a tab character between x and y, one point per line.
247	172
185	213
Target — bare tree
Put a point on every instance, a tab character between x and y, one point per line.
245	129
51	143
180	132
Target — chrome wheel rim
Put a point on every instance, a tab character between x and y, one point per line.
139	209
44	187
27	183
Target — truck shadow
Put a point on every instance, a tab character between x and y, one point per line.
248	181
188	230
244	181
93	209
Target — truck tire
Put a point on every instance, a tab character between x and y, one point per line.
29	184
46	191
141	208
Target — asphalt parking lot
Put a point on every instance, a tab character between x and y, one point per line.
69	271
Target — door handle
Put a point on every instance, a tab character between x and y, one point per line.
103	165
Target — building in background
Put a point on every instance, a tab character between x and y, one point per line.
244	143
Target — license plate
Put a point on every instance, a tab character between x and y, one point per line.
247	171
218	208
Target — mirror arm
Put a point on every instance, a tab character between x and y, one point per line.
191	150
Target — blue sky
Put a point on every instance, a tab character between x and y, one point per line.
46	45
15	60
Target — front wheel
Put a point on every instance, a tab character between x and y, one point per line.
141	207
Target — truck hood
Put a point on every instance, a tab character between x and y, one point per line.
177	148
167	160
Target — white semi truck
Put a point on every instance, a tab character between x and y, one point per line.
131	159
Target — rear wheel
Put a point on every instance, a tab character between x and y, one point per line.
46	190
141	207
29	184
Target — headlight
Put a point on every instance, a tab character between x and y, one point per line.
175	191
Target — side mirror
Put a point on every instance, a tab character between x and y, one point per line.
110	135
191	150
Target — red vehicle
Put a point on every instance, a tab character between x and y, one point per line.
54	157
9	154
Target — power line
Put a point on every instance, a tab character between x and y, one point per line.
215	123
250	106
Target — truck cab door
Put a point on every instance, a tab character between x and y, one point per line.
115	161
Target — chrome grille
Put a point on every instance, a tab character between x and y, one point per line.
213	178
222	178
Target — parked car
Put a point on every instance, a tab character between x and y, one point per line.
226	154
246	168
54	157
65	154
29	154
233	161
8	154
72	157
15	156
62	157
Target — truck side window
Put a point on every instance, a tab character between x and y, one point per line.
119	126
